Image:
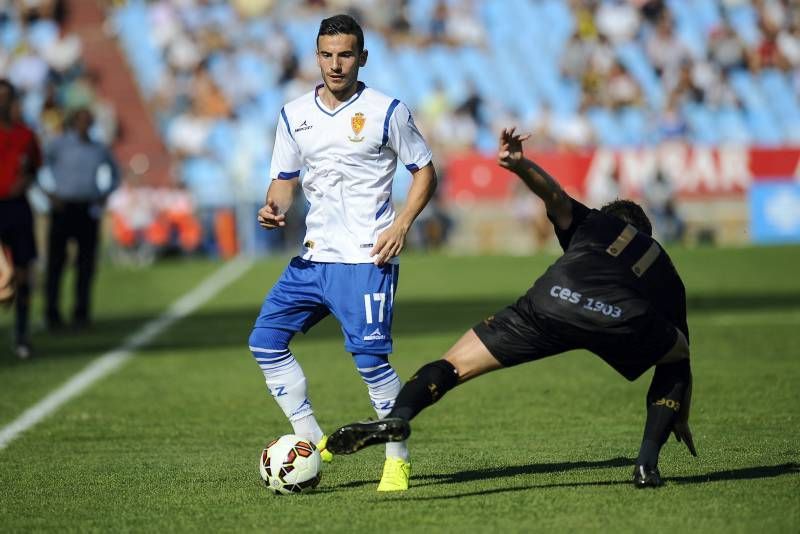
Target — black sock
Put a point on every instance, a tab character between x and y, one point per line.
427	386
669	384
23	301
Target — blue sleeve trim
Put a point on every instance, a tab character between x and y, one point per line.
288	175
383	208
286	122
411	167
389	112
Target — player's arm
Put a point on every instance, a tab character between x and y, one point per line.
391	242
285	172
279	199
556	200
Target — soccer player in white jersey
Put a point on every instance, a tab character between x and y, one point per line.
348	138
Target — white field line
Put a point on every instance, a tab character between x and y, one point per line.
113	359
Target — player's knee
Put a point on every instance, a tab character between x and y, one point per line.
265	338
438	377
370	361
678	352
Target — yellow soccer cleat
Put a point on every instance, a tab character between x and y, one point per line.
396	473
324	453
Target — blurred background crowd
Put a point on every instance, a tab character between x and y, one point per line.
212	76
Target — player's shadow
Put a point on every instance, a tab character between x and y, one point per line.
503	472
230	327
745	473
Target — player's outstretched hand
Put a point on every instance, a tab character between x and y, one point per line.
390	244
510	152
681	426
269	218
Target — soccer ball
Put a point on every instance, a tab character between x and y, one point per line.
290	464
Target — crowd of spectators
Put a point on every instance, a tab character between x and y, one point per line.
44	62
235	63
216	72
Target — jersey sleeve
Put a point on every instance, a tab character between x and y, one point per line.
285	154
403	136
579	213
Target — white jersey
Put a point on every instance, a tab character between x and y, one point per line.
349	155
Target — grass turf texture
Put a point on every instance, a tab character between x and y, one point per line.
170	441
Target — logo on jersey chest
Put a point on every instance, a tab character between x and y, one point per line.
303	127
357	124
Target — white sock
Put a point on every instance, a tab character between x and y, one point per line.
287	385
384	385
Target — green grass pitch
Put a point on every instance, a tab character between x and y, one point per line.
169	442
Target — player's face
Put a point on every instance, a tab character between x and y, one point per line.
339	60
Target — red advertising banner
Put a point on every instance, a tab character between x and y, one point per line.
693	171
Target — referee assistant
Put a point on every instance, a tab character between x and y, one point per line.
84	173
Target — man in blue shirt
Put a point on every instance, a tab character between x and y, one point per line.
84	174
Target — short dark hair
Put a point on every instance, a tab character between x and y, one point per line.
342	25
630	212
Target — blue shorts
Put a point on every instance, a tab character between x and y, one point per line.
359	295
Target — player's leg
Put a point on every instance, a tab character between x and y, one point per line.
467	359
362	299
23	252
294	304
512	336
22	304
285	379
383	385
57	237
86	233
667	405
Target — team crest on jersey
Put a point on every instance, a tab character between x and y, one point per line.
357	123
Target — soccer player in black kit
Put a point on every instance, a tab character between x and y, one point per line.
614	292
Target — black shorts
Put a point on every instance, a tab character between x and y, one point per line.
518	334
16	230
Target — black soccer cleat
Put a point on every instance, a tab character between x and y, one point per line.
355	436
646	477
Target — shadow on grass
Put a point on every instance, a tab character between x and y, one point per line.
502	472
231	327
745	473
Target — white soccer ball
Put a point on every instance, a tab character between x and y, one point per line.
290	464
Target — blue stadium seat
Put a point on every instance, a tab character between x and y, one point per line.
303	35
606	128
744	19
764	127
747	91
221	141
779	94
10	34
731	126
208	182
419	81
447	69
42	33
420	13
635	128
701	124
637	63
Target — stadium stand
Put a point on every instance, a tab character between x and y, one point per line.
579	74
510	52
